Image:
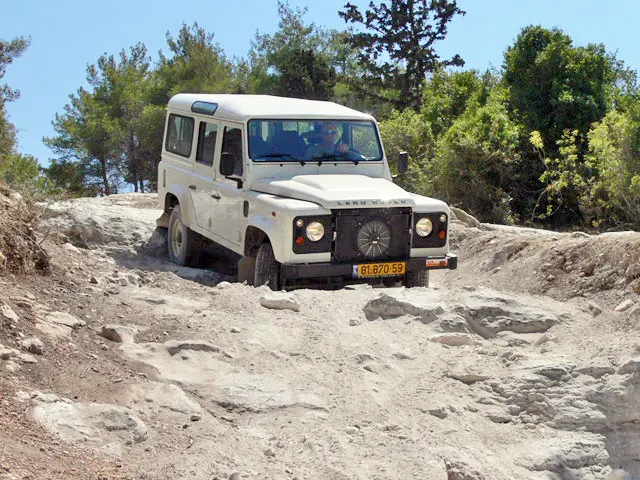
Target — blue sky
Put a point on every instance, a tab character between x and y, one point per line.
66	35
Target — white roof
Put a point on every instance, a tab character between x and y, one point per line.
244	107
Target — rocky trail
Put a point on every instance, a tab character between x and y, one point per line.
522	364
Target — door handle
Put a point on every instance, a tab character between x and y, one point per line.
216	195
192	187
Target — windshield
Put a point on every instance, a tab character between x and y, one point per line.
313	141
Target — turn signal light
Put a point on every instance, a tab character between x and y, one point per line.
300	241
442	234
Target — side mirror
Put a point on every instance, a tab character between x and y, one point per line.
227	164
402	164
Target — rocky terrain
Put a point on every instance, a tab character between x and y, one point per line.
115	364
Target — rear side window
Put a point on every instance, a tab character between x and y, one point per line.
206	143
179	135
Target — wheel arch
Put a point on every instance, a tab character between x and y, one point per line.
259	231
178	196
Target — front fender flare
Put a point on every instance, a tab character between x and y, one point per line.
269	228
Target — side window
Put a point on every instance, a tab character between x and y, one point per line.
206	143
232	143
179	135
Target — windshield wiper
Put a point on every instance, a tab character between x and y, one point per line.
282	155
335	156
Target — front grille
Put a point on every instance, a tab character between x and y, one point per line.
371	234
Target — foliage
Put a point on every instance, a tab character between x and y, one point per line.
565	179
197	65
474	162
614	157
447	95
552	138
298	60
87	134
407	131
8	52
123	87
7	135
68	177
19	170
397	44
555	87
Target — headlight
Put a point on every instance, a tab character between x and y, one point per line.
424	227
315	231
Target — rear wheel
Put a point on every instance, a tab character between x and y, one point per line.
267	271
182	242
417	279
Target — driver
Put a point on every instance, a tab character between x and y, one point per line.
327	145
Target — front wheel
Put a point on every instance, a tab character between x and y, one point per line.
267	271
417	279
182	242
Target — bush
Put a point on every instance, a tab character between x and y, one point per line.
473	162
407	131
614	158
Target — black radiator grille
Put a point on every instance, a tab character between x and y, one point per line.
371	234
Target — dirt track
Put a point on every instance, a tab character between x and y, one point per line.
514	366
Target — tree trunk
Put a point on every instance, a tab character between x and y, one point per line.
133	163
105	178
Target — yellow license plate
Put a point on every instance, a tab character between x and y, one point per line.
387	269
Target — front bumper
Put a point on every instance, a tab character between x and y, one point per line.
345	270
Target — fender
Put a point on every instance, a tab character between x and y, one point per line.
186	205
268	226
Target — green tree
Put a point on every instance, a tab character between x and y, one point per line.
196	65
68	177
397	45
122	86
9	51
614	158
298	60
554	87
447	95
88	135
7	135
474	162
565	179
112	132
407	131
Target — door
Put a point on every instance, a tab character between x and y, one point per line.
228	219
201	185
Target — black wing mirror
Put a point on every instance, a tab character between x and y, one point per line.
227	164
402	164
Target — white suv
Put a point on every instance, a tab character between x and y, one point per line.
300	189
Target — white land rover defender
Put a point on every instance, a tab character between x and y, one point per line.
300	189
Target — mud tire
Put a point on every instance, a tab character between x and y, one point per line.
267	271
182	242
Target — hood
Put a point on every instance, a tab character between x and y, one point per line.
338	191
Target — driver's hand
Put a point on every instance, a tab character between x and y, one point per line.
342	148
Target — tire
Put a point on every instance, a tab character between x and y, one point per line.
267	271
417	279
182	242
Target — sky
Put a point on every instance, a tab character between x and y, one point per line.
68	35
